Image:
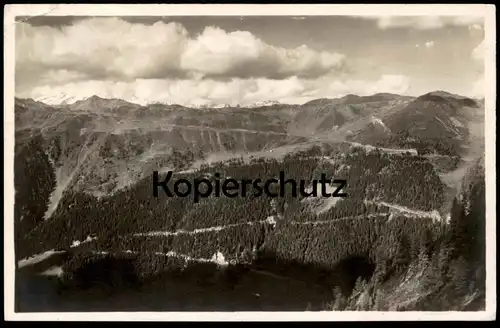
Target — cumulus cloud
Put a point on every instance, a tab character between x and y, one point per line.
213	92
114	48
427	22
477	27
162	62
101	48
478	88
478	56
241	54
478	53
398	84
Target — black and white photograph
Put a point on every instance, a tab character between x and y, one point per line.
208	158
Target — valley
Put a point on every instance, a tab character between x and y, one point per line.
84	203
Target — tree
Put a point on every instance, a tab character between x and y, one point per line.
378	303
402	257
340	302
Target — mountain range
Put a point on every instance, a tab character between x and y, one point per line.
84	197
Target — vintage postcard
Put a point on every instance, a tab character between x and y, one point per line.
248	162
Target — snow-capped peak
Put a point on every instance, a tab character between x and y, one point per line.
62	99
264	103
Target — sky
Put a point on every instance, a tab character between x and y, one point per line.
209	60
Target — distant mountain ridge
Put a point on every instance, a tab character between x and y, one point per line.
111	142
83	188
64	100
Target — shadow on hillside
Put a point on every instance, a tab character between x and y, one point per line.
268	284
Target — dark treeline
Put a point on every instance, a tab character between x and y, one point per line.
34	181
